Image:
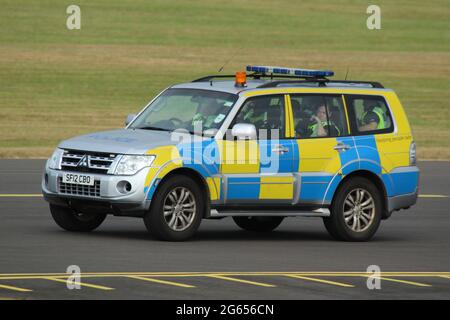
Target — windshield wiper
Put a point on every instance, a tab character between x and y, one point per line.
153	128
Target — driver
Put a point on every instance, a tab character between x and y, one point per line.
206	114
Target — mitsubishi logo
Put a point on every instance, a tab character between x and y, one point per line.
84	162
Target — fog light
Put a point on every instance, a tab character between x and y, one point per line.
124	187
46	179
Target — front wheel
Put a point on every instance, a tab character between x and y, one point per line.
258	224
176	211
70	220
355	212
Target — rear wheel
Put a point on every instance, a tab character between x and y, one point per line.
258	224
71	220
355	212
177	209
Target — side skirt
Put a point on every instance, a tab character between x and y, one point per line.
321	212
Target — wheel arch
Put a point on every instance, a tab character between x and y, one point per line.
198	178
375	179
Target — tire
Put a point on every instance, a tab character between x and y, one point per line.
258	224
169	227
70	220
346	206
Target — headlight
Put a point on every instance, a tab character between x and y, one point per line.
129	165
54	162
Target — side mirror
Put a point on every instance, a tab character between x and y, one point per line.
130	118
243	131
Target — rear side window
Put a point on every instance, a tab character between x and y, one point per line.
317	116
369	114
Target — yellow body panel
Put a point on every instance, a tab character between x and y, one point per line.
318	155
276	187
346	114
214	187
289	118
167	159
393	148
239	156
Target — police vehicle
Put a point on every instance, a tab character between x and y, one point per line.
257	146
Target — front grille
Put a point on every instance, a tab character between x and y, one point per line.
83	161
79	189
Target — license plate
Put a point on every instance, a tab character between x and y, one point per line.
75	178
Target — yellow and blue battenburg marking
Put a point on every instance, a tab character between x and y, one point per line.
296	171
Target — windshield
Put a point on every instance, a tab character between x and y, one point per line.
193	110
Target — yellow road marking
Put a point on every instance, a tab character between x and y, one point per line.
89	285
17	195
261	284
17	276
322	281
432	196
413	283
4	286
177	284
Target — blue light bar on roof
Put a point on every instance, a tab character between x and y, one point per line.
290	71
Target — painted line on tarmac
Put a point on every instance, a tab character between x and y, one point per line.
3	286
16	276
261	284
340	284
20	195
413	283
171	283
84	284
432	196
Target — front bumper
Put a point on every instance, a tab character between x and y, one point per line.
110	200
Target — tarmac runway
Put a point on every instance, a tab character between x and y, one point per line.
297	261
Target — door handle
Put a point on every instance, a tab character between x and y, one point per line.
280	149
341	147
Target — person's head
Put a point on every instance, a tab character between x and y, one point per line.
209	107
369	104
321	112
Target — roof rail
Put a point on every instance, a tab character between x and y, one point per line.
258	76
321	82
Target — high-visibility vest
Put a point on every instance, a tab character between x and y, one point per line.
315	127
379	112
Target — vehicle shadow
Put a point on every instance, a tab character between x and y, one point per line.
236	235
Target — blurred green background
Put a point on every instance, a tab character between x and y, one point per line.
56	83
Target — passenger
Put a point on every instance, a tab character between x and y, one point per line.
253	113
320	127
373	117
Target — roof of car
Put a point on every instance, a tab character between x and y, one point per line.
221	85
264	84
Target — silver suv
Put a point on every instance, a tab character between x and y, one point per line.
287	142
